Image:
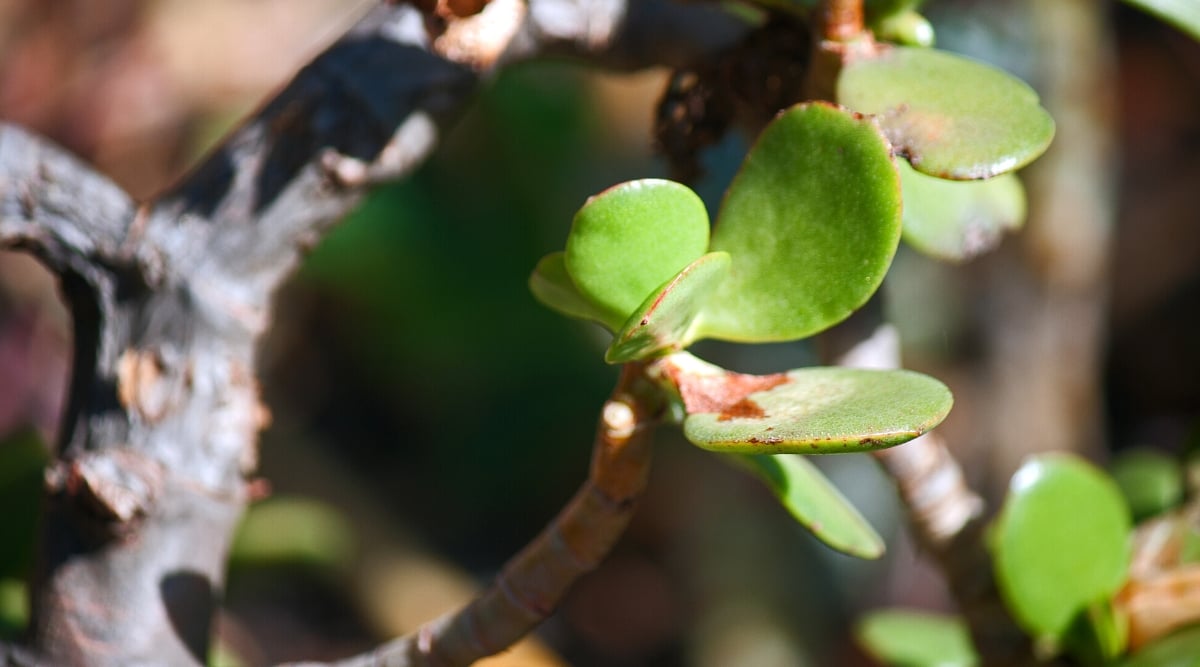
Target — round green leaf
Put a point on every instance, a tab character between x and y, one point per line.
1061	543
552	286
1151	481
816	503
953	117
957	220
811	220
666	319
630	239
824	410
916	639
1181	649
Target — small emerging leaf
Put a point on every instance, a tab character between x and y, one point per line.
953	117
816	503
822	411
907	28
902	638
1183	14
1061	543
811	221
957	220
665	321
630	239
552	286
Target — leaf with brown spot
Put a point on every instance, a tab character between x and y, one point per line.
811	410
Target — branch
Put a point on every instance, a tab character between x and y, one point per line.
169	302
947	520
534	581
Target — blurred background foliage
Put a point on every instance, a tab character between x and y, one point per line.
430	416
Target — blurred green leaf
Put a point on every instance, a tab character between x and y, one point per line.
1183	14
816	503
811	221
953	117
293	530
916	639
1098	635
665	321
823	411
957	220
1061	543
552	286
1151	481
14	607
630	239
23	459
1181	649
906	27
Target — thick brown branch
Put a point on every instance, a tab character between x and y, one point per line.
532	584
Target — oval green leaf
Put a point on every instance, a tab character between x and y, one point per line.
953	117
811	220
666	319
916	639
1061	543
816	503
823	411
1181	649
957	220
552	286
630	239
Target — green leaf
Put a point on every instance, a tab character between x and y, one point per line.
293	530
905	27
822	411
14	607
916	639
1061	543
1181	649
957	220
1183	14
953	117
630	239
552	286
1151	481
1098	635
816	503
811	220
665	321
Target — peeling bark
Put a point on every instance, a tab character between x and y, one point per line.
171	298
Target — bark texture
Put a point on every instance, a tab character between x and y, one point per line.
171	297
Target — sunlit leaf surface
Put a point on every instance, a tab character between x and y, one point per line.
628	240
823	411
953	117
811	221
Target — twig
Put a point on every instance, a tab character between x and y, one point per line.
841	20
169	301
948	521
534	581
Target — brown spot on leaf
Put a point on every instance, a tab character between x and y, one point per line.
720	393
743	409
